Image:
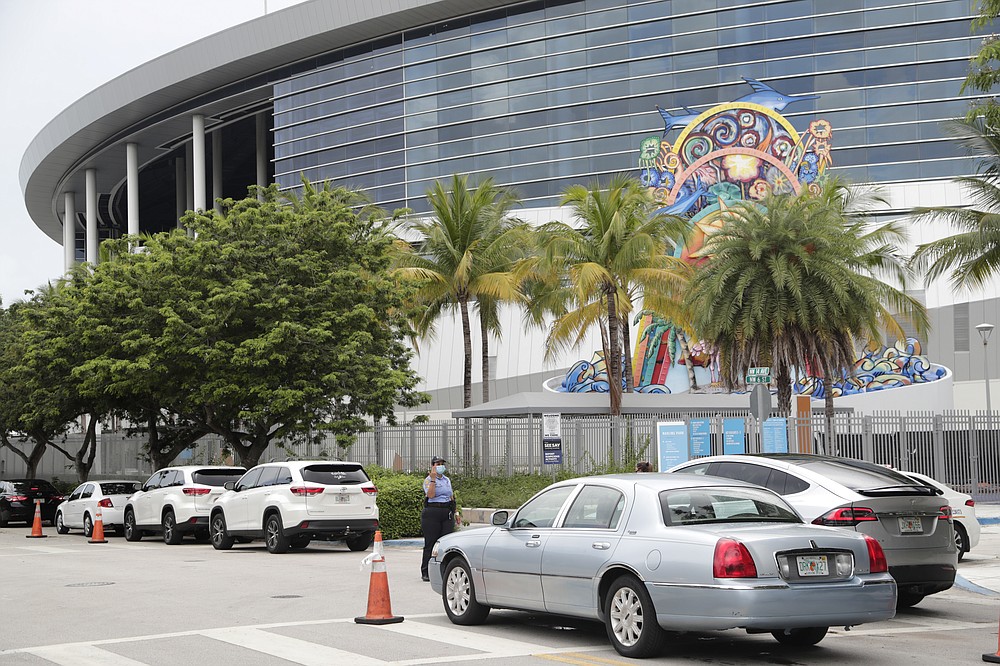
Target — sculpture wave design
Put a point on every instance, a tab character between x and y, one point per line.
592	377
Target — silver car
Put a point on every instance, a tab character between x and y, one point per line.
911	521
649	553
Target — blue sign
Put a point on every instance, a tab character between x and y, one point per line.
734	436
775	432
552	451
701	437
671	444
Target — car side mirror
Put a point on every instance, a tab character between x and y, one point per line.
143	489
499	518
229	485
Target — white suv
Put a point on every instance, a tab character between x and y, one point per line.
288	504
176	501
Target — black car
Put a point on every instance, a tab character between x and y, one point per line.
17	500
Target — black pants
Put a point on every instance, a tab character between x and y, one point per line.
435	522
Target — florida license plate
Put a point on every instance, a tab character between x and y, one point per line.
910	525
813	565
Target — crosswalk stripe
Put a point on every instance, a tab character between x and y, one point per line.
82	655
494	645
938	625
292	649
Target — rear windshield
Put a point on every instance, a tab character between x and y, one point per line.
33	485
217	477
119	488
335	474
867	478
724	505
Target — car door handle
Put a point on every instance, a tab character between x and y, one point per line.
600	545
532	544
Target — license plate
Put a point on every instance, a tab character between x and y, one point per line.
910	525
343	499
813	565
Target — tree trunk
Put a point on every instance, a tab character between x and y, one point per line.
249	453
688	361
84	458
627	344
615	350
783	378
486	357
463	304
30	459
164	444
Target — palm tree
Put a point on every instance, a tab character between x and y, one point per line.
972	255
620	245
465	253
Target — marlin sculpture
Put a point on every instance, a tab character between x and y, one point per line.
762	95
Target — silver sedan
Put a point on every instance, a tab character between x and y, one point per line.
651	553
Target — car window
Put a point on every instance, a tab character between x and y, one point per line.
249	480
756	474
173	477
284	477
863	476
88	491
701	468
541	511
267	477
217	477
153	481
76	493
34	485
722	505
340	474
785	484
597	507
117	487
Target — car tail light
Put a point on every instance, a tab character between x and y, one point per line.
846	516
732	560
57	498
970	502
17	498
945	513
105	503
876	556
196	491
305	491
370	491
304	524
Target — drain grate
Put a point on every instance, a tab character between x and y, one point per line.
90	584
287	596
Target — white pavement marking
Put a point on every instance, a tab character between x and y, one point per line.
82	655
493	645
45	550
292	649
937	625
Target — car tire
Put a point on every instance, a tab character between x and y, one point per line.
88	525
274	535
60	525
630	619
298	543
201	536
961	541
171	535
459	595
908	599
217	532
804	637
4	518
360	543
132	531
119	530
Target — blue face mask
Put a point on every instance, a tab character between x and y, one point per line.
440	469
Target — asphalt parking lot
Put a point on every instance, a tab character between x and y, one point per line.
70	602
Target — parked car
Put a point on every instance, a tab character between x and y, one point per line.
963	513
176	501
911	521
17	500
645	553
79	511
289	504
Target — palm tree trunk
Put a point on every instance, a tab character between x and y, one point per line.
463	304
831	437
783	377
486	357
614	348
627	344
688	361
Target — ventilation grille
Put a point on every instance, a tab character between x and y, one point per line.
962	328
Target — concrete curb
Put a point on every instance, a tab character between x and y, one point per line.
966	584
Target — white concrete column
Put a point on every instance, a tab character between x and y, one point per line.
261	151
92	238
132	186
198	167
69	231
188	183
180	189
217	168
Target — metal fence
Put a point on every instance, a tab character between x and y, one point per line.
961	449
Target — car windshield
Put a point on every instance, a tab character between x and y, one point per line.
119	488
335	474
33	485
866	478
723	505
217	477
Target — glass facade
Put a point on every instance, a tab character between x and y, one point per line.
541	95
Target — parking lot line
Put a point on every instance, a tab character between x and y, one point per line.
493	645
285	647
82	655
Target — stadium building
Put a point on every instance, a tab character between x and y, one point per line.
391	95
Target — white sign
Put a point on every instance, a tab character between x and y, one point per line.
551	426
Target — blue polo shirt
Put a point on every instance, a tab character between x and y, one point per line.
442	490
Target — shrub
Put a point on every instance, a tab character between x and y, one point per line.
400	501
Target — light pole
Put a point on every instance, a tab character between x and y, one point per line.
984	333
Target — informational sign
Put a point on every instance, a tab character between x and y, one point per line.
701	437
775	435
552	439
734	436
671	444
761	375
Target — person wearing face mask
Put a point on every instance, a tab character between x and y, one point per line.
438	516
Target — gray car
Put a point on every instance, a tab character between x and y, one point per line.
911	521
650	553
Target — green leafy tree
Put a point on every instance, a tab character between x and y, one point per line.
984	75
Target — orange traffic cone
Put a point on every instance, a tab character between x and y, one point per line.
97	535
36	527
379	606
993	658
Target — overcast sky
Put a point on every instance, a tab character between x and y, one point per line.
53	52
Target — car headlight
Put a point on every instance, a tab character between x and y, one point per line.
434	550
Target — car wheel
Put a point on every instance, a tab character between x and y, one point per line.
631	619
800	637
132	531
459	595
171	535
908	599
360	543
60	525
217	532
88	525
274	535
299	543
961	541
